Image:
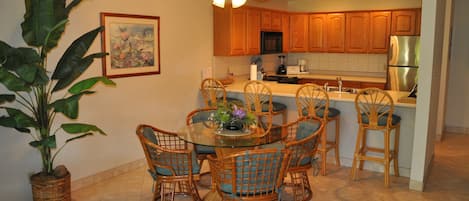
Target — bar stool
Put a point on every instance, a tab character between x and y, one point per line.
258	99
375	109
312	100
213	92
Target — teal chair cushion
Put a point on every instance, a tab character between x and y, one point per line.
201	149
150	135
320	113
275	107
249	179
306	128
383	119
166	157
235	101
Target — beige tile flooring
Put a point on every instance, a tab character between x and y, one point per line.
448	181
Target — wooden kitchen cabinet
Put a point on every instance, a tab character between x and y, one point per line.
404	22
253	29
229	31
271	20
317	32
418	21
285	32
357	30
380	29
299	33
335	32
372	85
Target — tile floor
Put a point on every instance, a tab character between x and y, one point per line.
448	181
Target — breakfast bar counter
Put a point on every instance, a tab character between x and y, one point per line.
285	93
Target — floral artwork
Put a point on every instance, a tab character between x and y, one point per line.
132	44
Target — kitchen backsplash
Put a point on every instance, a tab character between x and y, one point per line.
366	64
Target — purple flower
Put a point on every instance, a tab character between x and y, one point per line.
239	113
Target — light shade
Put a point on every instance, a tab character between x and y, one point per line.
237	3
234	3
219	3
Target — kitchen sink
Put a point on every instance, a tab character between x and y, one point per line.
347	90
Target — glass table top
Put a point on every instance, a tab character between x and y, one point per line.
204	134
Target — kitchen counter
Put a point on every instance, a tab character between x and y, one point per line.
285	93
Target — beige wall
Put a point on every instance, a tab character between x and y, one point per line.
347	5
161	100
457	106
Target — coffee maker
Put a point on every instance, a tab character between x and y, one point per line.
281	69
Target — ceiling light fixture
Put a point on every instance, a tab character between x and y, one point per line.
234	3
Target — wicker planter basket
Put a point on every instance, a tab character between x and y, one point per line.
52	187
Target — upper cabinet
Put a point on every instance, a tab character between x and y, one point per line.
404	22
299	33
317	32
356	32
380	29
253	29
229	31
271	20
286	32
335	32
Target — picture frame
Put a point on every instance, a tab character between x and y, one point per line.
132	43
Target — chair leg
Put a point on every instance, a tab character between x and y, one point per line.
364	147
386	157
284	116
323	151
396	150
356	155
337	140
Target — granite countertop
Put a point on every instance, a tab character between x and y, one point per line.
289	90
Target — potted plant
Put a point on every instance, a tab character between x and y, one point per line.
36	92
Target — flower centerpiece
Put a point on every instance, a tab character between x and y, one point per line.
230	116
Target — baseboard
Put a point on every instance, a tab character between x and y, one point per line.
371	166
107	174
456	129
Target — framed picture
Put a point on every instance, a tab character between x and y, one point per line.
132	43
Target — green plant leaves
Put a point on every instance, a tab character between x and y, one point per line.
88	83
6	98
18	120
72	64
12	82
69	106
49	141
76	128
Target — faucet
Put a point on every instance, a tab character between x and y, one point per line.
325	86
339	83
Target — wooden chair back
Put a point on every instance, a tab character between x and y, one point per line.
258	100
311	98
373	104
213	92
250	175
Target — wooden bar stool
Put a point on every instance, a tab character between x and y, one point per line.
258	99
213	92
375	109
312	100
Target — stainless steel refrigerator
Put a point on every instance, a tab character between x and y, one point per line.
403	62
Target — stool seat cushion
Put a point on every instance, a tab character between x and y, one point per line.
320	113
201	149
166	158
275	107
382	120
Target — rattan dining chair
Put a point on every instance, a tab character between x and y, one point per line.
303	137
312	100
258	100
214	93
171	164
375	109
250	175
196	116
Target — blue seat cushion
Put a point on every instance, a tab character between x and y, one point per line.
235	101
306	128
167	158
201	149
201	116
320	113
383	119
275	107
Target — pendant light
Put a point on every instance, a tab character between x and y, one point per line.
234	3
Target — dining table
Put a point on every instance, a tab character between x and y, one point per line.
227	141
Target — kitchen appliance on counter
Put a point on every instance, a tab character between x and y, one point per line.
302	65
281	69
403	62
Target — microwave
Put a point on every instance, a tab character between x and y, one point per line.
271	42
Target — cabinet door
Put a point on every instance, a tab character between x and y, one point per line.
276	22
380	26
356	32
286	32
317	32
403	22
299	33
335	32
253	31
238	31
364	85
266	20
418	21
